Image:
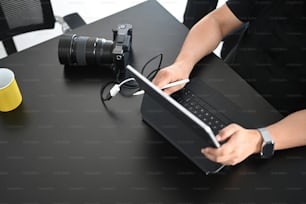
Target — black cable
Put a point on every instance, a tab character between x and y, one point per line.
130	87
102	90
150	60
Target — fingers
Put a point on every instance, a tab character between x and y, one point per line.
234	150
166	76
227	132
173	89
227	156
162	78
223	155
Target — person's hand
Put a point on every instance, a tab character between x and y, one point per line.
240	144
172	73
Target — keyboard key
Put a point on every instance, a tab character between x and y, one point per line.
197	107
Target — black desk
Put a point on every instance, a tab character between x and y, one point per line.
62	146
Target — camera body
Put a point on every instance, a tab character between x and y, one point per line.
122	37
75	51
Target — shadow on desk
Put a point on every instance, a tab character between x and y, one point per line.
15	118
80	73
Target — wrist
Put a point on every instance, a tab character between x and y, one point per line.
258	141
185	68
185	62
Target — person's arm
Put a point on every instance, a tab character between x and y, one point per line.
201	40
287	133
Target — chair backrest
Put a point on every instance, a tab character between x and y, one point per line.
21	16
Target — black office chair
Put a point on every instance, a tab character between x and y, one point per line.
21	16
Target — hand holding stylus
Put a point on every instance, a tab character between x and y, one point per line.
176	83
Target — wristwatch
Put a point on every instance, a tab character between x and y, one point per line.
267	149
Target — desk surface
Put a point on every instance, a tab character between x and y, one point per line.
62	146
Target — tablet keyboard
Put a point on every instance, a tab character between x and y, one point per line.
199	108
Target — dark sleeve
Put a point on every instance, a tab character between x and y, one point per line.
244	10
196	9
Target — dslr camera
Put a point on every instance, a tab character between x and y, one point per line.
76	51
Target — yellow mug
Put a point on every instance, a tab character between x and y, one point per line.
10	96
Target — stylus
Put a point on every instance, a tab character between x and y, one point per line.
183	81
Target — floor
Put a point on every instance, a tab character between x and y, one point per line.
91	12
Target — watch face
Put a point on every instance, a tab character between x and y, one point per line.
268	150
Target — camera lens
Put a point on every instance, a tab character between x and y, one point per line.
82	50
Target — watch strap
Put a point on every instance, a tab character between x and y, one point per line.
265	134
267	140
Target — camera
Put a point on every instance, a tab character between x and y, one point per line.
75	51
